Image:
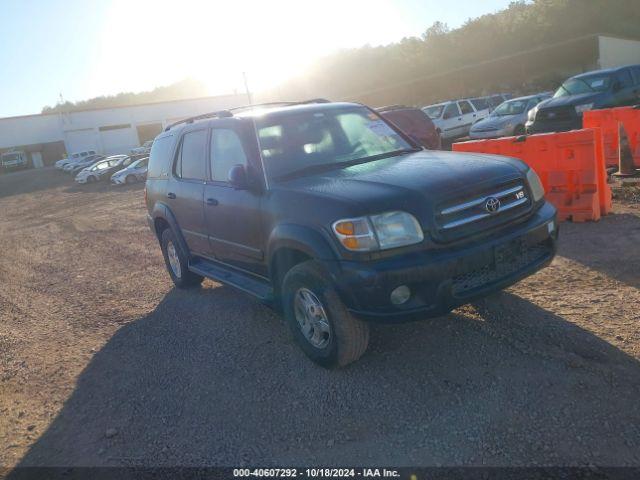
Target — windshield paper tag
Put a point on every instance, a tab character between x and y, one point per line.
380	128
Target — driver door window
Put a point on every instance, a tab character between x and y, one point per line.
451	111
452	124
226	151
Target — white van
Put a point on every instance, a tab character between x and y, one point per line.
73	158
453	119
14	160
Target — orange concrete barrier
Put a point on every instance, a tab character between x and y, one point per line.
569	164
607	121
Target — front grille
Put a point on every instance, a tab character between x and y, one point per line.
517	258
472	215
553	114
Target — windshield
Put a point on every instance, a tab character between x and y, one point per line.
322	140
512	107
434	111
139	163
590	84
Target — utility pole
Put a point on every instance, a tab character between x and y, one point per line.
246	86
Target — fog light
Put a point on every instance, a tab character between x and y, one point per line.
550	226
400	295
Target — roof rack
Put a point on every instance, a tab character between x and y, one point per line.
228	113
219	114
280	104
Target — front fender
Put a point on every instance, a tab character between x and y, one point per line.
308	240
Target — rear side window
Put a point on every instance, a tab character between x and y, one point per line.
226	151
624	78
159	157
480	103
495	101
465	107
190	162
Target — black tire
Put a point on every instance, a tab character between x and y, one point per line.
519	130
91	179
348	338
183	278
129	179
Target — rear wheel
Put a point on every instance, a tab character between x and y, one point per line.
320	323
177	262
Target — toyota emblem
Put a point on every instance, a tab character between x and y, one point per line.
492	205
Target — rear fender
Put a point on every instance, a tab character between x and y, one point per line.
161	210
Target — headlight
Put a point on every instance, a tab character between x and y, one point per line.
531	116
584	107
378	232
537	190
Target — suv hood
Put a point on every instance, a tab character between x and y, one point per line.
415	182
571	100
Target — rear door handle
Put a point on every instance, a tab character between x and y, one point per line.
212	201
171	195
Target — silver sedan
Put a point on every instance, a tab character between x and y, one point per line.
507	119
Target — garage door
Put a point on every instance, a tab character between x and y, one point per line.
118	139
80	140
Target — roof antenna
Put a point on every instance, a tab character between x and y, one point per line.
246	86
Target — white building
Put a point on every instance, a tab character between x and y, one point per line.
47	137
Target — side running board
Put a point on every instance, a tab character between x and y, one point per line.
223	274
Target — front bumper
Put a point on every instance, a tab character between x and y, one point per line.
480	135
444	279
553	126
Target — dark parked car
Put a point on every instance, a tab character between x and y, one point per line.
614	87
332	213
415	123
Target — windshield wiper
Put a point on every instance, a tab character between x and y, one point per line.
339	165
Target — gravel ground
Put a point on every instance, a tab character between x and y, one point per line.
102	362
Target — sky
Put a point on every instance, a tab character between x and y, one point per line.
83	49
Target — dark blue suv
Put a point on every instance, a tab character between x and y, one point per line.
615	87
334	215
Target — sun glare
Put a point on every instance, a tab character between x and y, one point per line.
145	44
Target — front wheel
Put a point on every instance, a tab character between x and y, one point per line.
130	179
320	323
519	130
177	262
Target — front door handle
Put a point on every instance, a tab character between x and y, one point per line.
212	201
171	195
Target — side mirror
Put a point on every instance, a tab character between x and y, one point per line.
238	177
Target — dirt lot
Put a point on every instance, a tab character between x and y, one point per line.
102	362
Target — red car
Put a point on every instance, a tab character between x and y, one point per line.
415	123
